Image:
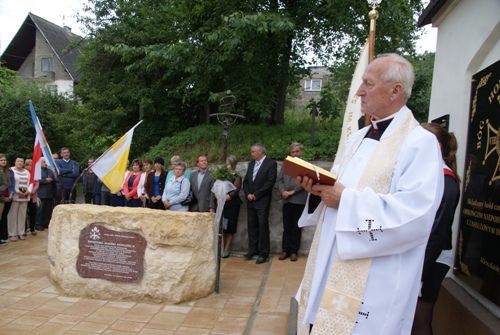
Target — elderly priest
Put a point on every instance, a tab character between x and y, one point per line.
364	268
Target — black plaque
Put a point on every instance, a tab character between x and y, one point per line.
478	247
109	254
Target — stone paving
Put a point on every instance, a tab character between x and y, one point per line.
253	299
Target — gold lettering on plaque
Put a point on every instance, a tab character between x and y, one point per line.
492	148
494	93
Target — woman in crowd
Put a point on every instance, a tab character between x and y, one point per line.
231	207
176	189
4	198
131	184
438	255
45	194
32	204
155	184
173	162
20	193
147	167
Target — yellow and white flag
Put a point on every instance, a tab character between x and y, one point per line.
353	107
112	164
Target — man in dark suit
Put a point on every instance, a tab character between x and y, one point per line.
258	186
201	187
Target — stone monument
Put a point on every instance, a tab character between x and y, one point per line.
136	254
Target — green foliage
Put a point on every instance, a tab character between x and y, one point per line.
206	139
163	61
65	122
421	94
7	77
18	134
223	173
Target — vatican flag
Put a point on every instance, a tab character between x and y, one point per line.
111	166
353	107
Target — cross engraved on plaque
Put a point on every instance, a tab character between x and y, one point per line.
370	230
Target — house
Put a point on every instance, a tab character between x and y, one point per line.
310	86
466	95
45	53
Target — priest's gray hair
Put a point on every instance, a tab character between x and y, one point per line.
400	71
260	147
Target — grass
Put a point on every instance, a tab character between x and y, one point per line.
206	139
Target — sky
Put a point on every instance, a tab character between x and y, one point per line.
63	12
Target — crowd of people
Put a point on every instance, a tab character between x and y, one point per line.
387	217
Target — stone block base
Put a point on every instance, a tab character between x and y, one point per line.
179	256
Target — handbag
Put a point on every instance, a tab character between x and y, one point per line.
189	198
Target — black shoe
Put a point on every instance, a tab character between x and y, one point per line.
261	260
248	256
39	228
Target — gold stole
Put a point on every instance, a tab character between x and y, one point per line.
346	282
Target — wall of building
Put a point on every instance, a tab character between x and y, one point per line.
465	45
32	68
64	87
317	72
468	41
43	50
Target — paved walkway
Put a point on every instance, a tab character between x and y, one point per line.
253	299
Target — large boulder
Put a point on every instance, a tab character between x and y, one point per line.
97	251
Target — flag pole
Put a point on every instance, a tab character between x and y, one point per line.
373	16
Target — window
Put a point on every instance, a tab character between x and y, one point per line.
313	85
46	64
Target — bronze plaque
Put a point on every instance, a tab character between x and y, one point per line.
109	254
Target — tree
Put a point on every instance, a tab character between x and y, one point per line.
162	60
18	134
421	93
7	77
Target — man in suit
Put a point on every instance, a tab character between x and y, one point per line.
201	187
258	186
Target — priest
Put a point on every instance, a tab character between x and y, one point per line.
364	267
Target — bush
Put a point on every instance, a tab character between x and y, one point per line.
206	139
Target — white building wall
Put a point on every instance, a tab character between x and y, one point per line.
468	41
64	87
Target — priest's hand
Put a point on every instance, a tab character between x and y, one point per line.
307	184
330	195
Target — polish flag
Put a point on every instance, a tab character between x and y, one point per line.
40	149
36	164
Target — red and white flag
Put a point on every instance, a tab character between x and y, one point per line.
40	149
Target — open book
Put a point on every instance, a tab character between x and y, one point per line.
294	166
